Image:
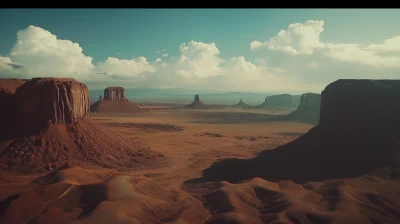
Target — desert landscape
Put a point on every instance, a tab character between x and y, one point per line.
199	116
192	163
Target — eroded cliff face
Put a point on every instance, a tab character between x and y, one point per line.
361	103
280	101
43	101
310	102
308	110
8	102
114	101
358	133
114	94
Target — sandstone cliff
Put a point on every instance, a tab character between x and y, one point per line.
43	101
279	101
114	94
115	101
358	133
308	110
8	103
53	128
361	103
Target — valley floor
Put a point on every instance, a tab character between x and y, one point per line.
192	140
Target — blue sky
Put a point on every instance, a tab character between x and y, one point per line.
130	33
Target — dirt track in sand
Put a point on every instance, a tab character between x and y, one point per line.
192	140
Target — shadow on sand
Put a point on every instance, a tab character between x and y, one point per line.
230	117
320	154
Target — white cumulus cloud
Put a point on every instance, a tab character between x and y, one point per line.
304	39
306	64
41	53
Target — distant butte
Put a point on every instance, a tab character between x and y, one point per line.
241	104
308	110
44	101
358	132
114	101
197	104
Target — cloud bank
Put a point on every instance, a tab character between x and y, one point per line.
294	60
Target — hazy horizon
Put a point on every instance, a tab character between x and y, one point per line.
217	50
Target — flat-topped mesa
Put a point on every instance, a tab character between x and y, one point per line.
361	103
44	101
308	110
281	101
310	102
114	94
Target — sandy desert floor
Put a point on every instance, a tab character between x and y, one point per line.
191	140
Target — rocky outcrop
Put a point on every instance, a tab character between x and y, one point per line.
197	104
361	103
114	101
8	103
281	101
52	128
114	94
308	110
358	132
241	104
43	101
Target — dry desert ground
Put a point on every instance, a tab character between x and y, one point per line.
191	140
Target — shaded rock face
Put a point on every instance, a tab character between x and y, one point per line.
308	110
281	101
361	103
358	133
114	94
8	102
310	102
42	101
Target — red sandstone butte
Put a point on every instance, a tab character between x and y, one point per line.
114	94
114	101
42	101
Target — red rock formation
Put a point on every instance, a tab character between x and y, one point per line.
54	128
8	103
197	104
115	101
308	110
358	133
114	94
42	101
